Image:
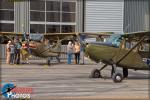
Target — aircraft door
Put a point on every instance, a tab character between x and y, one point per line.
133	60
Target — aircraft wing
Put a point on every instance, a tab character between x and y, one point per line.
137	35
62	35
96	33
6	36
11	34
59	36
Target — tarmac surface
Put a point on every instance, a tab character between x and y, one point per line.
72	82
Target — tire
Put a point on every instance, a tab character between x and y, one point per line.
95	74
117	77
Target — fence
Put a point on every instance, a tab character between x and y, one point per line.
3	53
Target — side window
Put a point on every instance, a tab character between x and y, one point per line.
144	47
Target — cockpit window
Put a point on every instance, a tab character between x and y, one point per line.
112	38
36	37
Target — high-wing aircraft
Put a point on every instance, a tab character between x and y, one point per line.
41	45
133	52
46	45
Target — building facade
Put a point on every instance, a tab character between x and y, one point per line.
62	16
7	16
136	15
104	15
39	16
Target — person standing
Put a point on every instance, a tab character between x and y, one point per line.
18	46
12	53
69	52
27	39
77	52
8	52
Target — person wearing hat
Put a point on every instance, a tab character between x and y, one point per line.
69	52
8	52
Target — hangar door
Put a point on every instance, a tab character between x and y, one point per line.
104	16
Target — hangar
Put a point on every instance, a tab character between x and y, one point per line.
61	16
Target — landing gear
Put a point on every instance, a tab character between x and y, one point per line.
112	71
117	77
96	73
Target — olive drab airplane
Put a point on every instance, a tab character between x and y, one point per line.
40	45
129	51
43	45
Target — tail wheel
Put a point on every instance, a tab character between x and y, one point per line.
117	77
96	73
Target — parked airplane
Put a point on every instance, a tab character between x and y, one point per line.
129	55
41	45
46	45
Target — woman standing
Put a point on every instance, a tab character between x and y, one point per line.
77	52
8	52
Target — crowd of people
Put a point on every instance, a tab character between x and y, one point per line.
13	52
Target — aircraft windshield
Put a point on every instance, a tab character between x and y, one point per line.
36	37
114	39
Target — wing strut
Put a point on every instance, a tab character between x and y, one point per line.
141	40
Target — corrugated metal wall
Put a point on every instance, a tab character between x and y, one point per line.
104	15
136	15
79	16
22	16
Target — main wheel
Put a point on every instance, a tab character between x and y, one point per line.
117	77
96	73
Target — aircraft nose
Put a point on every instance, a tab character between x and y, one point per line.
86	49
85	45
33	45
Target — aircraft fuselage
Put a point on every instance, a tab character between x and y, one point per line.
41	50
111	55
